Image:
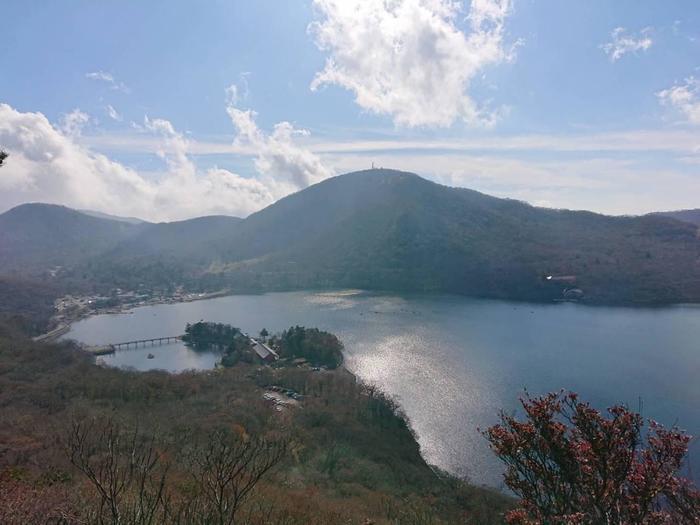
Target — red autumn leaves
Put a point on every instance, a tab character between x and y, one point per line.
570	464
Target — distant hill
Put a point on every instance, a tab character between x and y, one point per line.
193	237
391	230
165	254
38	236
99	214
691	216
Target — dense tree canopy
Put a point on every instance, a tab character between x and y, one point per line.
205	333
318	347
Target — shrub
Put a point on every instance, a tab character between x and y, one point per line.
570	464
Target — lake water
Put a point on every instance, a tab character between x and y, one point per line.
453	362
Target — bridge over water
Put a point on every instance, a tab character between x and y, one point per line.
110	348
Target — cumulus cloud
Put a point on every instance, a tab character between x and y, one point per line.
108	78
623	43
280	160
237	94
49	165
408	58
72	123
685	98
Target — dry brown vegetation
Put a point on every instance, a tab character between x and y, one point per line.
85	444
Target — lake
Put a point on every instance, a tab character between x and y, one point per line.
454	362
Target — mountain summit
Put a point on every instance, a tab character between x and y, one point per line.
391	230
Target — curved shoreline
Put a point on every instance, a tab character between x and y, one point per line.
62	327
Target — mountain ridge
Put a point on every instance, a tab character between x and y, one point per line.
689	215
392	230
407	233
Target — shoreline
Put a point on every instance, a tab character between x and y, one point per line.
358	371
62	327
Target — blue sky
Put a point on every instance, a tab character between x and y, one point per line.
127	107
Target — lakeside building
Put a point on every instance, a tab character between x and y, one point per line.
264	352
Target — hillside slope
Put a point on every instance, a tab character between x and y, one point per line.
383	229
691	216
38	236
164	255
196	237
351	456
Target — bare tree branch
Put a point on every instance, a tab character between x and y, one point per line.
228	467
122	465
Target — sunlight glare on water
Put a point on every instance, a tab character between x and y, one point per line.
450	361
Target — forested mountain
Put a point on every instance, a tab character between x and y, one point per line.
692	216
391	230
99	214
37	236
383	229
164	255
198	237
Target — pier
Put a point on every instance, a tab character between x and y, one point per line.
110	348
145	342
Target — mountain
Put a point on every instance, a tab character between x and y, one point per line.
39	236
99	214
691	216
391	230
196	237
165	254
36	237
384	229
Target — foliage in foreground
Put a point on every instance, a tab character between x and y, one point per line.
132	480
571	465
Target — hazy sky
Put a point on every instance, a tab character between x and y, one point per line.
170	109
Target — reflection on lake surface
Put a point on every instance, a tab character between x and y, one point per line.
453	362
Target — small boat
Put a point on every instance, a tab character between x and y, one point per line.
150	356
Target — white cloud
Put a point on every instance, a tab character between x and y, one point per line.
666	140
408	58
56	164
72	123
108	78
283	163
235	94
100	75
623	43
50	165
113	113
685	98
